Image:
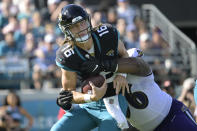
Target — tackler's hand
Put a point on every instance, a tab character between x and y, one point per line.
120	82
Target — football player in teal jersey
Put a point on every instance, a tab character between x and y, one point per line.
82	43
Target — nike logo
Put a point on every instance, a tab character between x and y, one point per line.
95	68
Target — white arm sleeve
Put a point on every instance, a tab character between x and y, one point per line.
113	107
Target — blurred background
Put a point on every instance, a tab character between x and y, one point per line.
166	31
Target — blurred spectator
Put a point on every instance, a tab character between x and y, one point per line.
169	88
121	27
6	121
177	75
187	94
39	5
98	17
169	65
158	42
49	49
49	28
131	40
11	26
44	63
12	108
140	25
30	46
14	10
26	9
80	2
4	14
93	22
51	7
89	11
112	16
52	30
127	11
38	29
9	46
19	35
145	41
158	69
56	12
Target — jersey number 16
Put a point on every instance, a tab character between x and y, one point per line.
102	30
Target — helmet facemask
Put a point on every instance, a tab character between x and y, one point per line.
76	36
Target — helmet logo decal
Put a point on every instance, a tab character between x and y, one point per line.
76	19
66	12
110	53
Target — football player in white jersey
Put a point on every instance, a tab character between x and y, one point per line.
150	108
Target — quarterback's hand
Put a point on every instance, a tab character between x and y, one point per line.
120	82
94	67
64	99
98	92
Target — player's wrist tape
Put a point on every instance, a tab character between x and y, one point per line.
122	74
87	98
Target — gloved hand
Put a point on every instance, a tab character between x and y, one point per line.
94	67
64	99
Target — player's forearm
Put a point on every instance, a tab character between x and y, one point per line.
134	66
68	85
78	97
30	123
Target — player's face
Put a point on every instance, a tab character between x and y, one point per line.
80	30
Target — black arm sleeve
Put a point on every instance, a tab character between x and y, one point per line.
134	66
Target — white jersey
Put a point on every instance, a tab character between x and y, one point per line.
149	104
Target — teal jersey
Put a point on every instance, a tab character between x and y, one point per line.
105	40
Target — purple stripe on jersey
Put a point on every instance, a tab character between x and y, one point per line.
178	119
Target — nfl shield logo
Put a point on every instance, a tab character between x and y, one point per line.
111	101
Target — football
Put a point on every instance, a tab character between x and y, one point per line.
96	80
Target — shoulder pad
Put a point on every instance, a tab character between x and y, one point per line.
64	58
104	28
60	53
